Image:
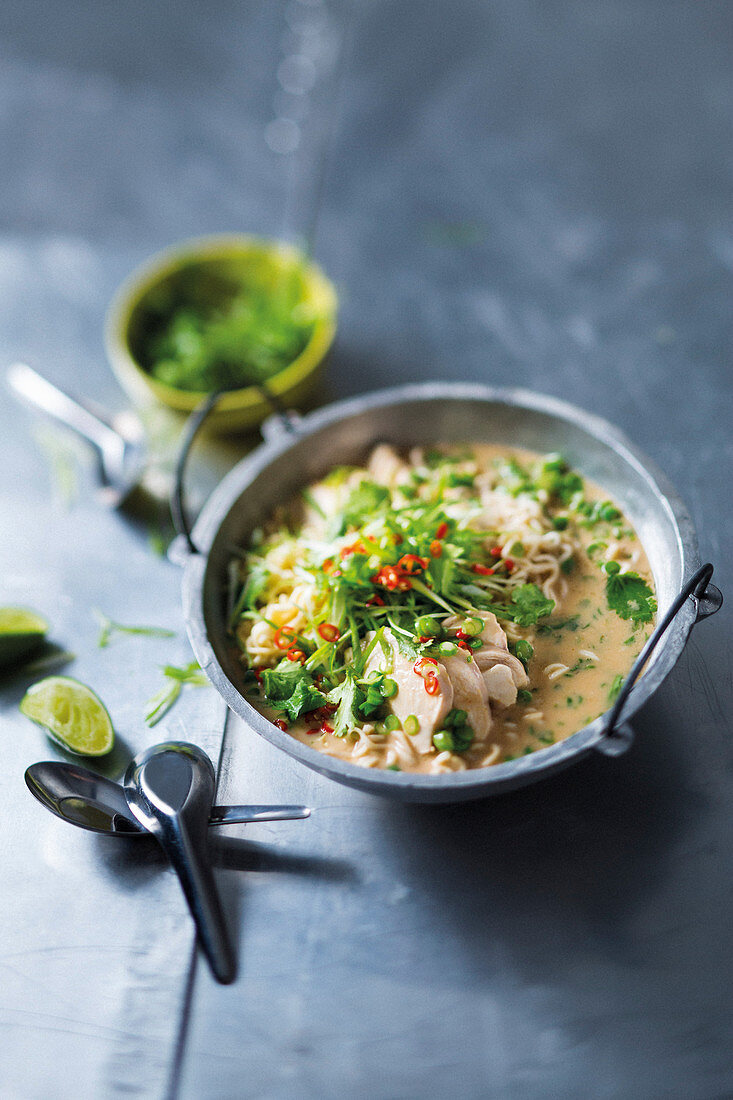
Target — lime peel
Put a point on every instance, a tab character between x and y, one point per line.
21	631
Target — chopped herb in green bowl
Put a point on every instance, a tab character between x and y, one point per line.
223	314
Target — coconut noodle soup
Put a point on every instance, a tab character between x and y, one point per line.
441	609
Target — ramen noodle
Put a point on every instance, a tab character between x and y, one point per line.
441	609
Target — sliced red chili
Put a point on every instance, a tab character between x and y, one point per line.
355	548
329	632
283	638
508	562
431	684
482	570
375	601
411	563
495	551
391	577
281	724
424	666
462	635
463	644
442	530
327	565
325	728
436	548
295	654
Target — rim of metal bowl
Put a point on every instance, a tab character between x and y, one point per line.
476	782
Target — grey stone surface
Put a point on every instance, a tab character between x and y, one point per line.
525	193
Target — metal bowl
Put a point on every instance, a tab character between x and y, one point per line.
300	452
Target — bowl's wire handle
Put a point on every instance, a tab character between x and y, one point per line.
193	425
287	421
708	600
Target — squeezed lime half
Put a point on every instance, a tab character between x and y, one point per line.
71	713
21	630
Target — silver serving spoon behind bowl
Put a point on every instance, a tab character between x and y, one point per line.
93	802
170	790
118	447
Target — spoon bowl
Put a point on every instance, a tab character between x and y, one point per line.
85	799
97	804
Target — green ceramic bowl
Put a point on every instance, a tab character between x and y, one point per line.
230	253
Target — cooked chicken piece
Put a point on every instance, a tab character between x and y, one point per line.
501	512
493	655
492	633
411	697
386	467
469	692
500	685
489	656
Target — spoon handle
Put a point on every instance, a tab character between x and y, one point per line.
241	815
42	395
197	880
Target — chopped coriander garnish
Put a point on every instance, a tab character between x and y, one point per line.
630	597
615	688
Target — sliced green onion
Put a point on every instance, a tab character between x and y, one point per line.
443	741
411	724
428	627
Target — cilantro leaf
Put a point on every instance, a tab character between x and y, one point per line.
405	645
556	477
363	501
305	697
530	604
630	597
281	681
348	697
291	687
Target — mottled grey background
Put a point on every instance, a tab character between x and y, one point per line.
533	193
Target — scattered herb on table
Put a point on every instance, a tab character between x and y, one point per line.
163	700
108	627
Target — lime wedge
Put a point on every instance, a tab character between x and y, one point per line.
21	631
71	713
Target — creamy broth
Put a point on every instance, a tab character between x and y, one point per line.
580	651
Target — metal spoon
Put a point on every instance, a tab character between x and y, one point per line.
170	790
118	448
93	802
